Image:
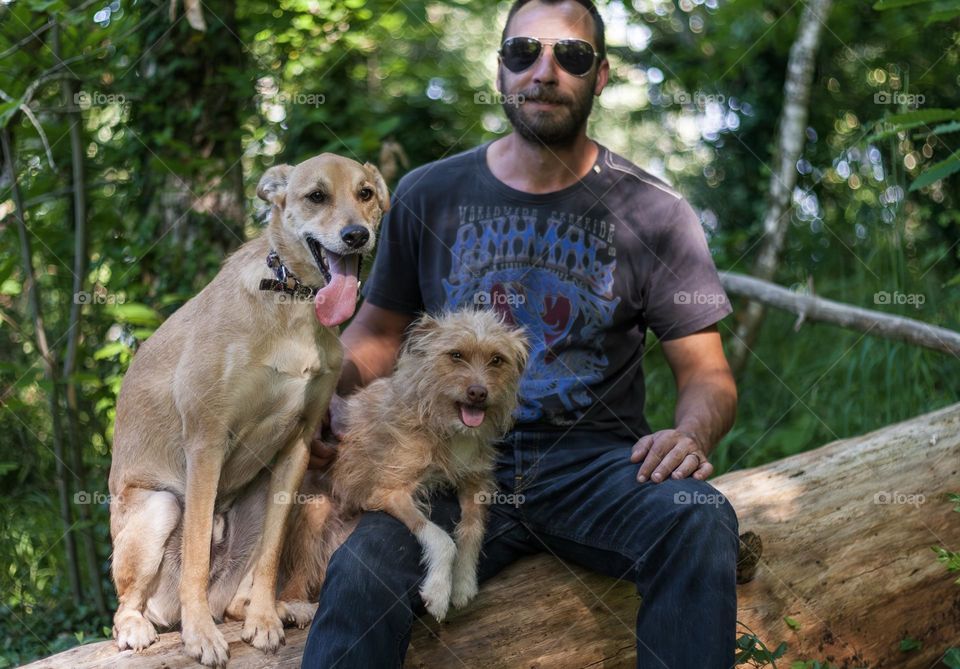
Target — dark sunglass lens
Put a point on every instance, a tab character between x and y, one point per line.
519	53
575	56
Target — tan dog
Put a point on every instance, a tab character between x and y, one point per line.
217	411
434	421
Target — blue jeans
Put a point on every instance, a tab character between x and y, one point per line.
676	540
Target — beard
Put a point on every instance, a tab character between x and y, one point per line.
557	127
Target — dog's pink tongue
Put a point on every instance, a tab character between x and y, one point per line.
471	416
336	301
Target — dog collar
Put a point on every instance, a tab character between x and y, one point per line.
284	277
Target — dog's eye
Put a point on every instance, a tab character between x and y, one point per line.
456	355
496	360
317	197
365	193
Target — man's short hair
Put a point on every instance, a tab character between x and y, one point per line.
599	41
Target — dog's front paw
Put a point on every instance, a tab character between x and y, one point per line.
205	643
298	613
435	593
263	629
134	632
464	587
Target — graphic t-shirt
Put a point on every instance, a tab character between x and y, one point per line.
586	270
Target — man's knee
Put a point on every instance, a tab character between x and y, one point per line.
707	515
380	560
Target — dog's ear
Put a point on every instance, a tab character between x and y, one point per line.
418	334
520	347
379	185
273	185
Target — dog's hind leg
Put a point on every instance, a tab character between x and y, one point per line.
315	532
142	521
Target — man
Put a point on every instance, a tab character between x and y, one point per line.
586	251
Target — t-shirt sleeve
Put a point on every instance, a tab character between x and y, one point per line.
394	280
683	294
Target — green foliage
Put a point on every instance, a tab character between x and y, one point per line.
751	651
176	127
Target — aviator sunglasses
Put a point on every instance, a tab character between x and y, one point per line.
576	56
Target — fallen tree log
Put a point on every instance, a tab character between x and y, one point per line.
847	530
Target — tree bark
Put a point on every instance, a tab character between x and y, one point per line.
847	530
793	122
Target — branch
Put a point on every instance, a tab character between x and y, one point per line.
812	308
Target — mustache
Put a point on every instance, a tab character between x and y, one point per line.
541	94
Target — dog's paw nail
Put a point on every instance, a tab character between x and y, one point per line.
135	634
263	632
206	645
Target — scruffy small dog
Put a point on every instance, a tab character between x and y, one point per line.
434	422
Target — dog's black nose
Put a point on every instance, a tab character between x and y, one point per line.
477	394
354	235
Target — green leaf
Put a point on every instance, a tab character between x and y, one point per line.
791	623
943	129
952	658
936	172
893	4
909	644
942	16
11	287
136	314
110	350
7	110
924	116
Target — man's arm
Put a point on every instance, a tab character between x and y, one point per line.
370	346
706	409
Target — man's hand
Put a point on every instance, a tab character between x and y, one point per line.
323	448
671	453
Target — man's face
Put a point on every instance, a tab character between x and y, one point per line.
545	103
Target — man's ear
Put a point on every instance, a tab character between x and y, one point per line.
273	185
379	185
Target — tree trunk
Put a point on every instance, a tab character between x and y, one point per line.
78	210
793	126
847	530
